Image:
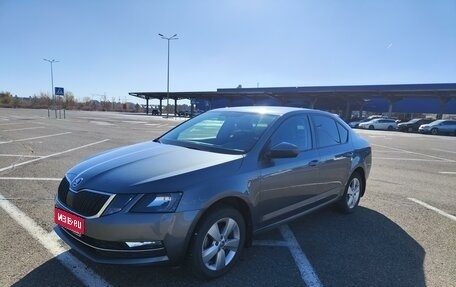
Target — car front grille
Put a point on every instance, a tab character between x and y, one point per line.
84	202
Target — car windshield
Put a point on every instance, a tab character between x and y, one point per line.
437	122
220	131
412	121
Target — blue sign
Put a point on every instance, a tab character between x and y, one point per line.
59	91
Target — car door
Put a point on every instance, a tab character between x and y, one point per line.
336	154
288	184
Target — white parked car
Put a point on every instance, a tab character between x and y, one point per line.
379	124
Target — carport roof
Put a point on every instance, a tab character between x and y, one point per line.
445	90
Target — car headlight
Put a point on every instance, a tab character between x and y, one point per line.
118	203
158	202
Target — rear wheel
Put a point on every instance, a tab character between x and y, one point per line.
390	128
352	194
217	243
434	131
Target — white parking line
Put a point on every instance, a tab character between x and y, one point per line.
307	272
51	155
447	172
8	124
441	212
417	153
79	269
408	159
32	178
437	149
34	138
17	155
23	129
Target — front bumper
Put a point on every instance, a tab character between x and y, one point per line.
105	237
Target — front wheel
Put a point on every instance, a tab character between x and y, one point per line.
371	127
217	243
352	194
434	131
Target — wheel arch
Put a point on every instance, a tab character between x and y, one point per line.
232	202
361	172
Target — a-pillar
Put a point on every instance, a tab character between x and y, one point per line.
175	107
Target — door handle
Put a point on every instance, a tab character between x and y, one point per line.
313	162
347	154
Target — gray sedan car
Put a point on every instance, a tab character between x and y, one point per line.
201	191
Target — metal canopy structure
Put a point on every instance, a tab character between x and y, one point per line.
344	98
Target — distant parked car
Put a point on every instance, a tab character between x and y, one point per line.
155	112
355	122
379	124
439	127
183	113
413	124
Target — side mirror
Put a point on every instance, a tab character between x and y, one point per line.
283	150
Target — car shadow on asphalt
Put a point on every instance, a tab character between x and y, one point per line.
364	248
361	249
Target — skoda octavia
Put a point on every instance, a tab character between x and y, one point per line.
198	194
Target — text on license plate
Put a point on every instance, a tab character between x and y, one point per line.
69	221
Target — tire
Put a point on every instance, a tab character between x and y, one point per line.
410	130
352	194
390	128
221	236
371	127
434	131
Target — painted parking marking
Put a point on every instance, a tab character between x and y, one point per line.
430	207
308	274
23	129
17	155
51	155
447	172
409	159
7	124
79	269
34	138
32	178
449	151
417	153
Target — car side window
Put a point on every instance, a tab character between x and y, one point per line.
343	133
326	130
295	130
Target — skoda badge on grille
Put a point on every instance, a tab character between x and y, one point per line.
76	182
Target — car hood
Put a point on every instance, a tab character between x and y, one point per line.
138	168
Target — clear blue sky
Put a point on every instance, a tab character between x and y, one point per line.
112	47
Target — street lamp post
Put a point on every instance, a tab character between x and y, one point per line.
167	84
52	84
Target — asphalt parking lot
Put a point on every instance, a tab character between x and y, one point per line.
403	234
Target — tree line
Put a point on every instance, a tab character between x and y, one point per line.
68	102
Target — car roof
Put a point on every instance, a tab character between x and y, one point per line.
274	110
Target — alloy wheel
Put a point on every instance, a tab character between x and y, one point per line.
220	244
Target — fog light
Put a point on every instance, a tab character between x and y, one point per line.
145	244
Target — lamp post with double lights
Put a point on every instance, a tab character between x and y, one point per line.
52	84
167	84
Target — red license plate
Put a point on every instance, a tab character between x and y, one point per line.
69	221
